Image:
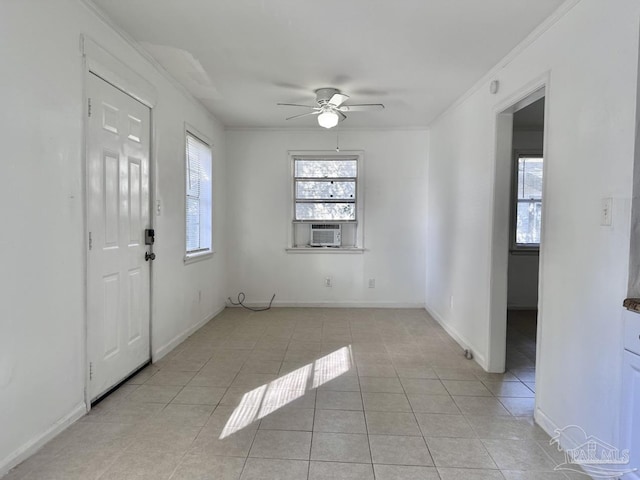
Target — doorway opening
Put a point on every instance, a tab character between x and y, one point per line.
524	241
517	236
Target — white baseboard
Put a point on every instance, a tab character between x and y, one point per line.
211	316
460	339
333	304
178	339
545	422
567	440
33	445
549	426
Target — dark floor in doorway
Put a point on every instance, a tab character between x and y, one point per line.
521	345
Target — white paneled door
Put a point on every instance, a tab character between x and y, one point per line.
118	214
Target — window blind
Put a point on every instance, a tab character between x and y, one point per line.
198	195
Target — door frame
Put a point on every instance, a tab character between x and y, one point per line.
98	61
500	241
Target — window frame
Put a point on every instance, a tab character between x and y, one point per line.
357	223
515	247
297	200
207	252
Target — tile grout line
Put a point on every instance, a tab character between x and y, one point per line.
364	414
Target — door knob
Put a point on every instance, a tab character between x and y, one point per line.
149	256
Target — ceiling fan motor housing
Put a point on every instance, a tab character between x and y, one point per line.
323	95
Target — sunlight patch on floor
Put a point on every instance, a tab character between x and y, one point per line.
267	398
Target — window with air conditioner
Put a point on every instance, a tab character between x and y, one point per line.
326	235
198	198
327	200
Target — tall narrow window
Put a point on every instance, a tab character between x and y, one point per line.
198	197
528	201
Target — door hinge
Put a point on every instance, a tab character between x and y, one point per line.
89	107
90	370
90	241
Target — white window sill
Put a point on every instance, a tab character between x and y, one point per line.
339	250
197	257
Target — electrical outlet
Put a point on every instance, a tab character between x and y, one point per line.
372	283
328	282
158	208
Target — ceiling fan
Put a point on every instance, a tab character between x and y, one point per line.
330	107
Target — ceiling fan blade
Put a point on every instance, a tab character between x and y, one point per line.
338	99
303	115
342	115
364	107
296	105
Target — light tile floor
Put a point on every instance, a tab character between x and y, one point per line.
521	346
312	394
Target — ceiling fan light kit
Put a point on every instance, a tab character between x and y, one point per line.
330	109
328	119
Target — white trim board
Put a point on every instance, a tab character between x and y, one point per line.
178	339
332	304
550	427
501	185
108	67
35	444
460	339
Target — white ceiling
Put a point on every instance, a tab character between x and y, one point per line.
241	57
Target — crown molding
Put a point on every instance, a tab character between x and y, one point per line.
540	30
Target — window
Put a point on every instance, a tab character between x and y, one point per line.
528	201
198	197
326	195
325	189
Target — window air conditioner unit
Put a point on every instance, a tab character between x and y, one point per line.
326	235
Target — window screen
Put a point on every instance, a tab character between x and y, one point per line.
325	189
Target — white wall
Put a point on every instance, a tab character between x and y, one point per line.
41	203
592	56
523	269
259	200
